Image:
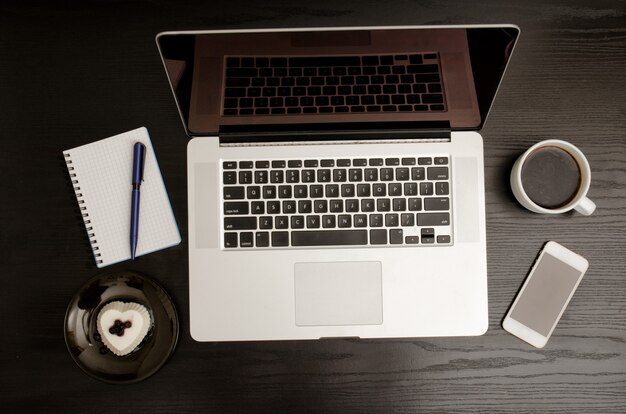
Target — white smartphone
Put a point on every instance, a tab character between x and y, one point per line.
545	294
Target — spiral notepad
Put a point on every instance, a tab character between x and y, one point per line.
101	174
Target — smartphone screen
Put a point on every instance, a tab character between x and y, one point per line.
546	294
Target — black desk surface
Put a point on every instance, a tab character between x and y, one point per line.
76	73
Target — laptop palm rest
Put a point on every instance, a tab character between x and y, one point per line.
338	293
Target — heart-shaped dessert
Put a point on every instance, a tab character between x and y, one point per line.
123	325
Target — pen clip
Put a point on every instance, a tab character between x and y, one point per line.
139	159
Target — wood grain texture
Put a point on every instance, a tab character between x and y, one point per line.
76	72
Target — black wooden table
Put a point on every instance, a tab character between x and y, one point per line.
82	71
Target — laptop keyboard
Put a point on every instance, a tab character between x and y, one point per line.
336	202
262	85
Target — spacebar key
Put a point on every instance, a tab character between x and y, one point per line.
329	238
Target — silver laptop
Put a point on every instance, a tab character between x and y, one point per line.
335	178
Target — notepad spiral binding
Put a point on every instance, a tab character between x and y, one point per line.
83	208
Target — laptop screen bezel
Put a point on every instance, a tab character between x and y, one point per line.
485	101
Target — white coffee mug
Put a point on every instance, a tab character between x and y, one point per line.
580	202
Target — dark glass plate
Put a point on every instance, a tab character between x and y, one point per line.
82	339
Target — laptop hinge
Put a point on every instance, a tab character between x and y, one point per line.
325	132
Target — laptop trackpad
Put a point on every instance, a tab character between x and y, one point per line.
338	293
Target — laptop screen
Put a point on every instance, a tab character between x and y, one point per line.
421	76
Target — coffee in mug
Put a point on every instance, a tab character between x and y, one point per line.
552	177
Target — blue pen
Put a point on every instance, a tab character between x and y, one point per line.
139	155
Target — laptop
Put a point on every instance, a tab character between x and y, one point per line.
335	178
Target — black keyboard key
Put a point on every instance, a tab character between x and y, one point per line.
425	161
328	222
360	220
376	220
435	98
408	161
339	175
344	221
428	232
391	220
355	174
422	68
294	163
437	173
246	239
379	190
230	177
425	78
344	162
278	164
336	206
300	191
260	177
277	176
308	176
281	222
352	205
436	204
386	174
418	173
310	163
399	204
329	238
236	207
412	240
240	223
280	239
229	165
323	176
359	162
347	190
234	193
433	219
266	222
378	236
235	92
312	222
230	240
253	192
257	207
284	191
441	160
415	59
367	205
327	163
410	189
392	161
297	222
371	174
407	219
305	206
316	191
262	239
269	191
332	190
383	204
376	162
396	236
273	207
363	190
442	188
292	176
402	174
415	204
426	189
245	177
320	206
394	189
289	207
443	239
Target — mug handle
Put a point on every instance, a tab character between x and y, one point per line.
585	207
